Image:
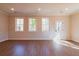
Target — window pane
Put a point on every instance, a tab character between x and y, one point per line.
45	24
58	26
32	24
19	24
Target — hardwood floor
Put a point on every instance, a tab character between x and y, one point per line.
35	48
75	43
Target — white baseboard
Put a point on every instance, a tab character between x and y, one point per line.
29	39
3	37
3	40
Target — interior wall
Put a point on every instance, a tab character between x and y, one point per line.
26	35
75	27
3	26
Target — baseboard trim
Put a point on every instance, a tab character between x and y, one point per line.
29	38
3	40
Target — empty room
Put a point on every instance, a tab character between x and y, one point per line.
39	29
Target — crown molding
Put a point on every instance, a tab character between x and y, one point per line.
3	12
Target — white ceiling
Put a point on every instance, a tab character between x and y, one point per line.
47	9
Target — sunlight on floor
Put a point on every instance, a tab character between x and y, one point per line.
58	40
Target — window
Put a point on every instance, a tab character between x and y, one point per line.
59	32
45	24
58	26
19	23
32	24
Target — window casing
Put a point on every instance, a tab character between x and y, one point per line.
19	24
45	24
32	24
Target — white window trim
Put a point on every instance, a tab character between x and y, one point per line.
30	24
48	25
16	24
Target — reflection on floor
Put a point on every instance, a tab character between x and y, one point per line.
71	41
68	43
38	48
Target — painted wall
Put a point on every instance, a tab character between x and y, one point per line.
3	27
75	27
38	34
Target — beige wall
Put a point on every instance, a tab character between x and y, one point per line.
75	27
3	26
70	28
38	34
